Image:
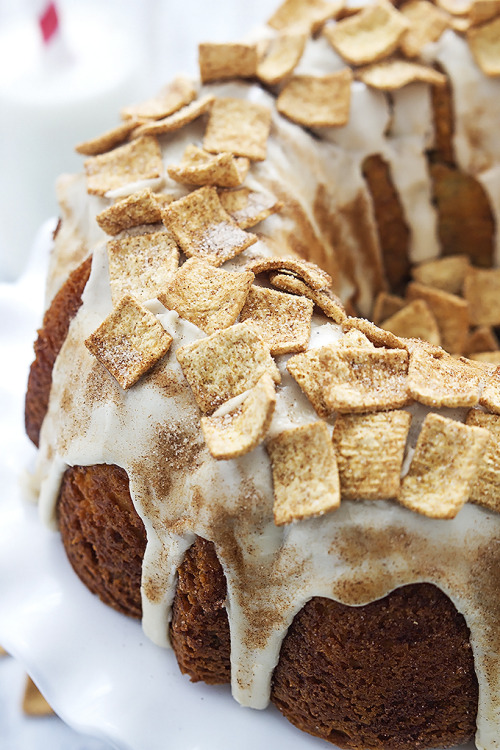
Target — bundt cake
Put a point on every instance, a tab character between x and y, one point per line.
299	501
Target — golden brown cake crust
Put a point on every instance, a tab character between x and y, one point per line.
200	630
103	536
392	675
50	339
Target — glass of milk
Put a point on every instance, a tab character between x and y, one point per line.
53	96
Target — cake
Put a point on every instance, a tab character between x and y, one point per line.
301	502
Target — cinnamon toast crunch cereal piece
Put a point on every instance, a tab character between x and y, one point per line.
370	450
483	339
129	342
484	42
451	314
490	396
248	207
209	297
203	229
226	364
108	140
141	265
391	75
34	704
171	98
370	35
283	320
198	167
305	474
436	379
309	370
310	273
427	23
414	320
358	379
139	208
281	57
482	292
444	466
178	119
220	61
238	126
233	433
353	337
317	101
486	487
325	299
378	336
386	305
133	162
484	10
447	274
309	15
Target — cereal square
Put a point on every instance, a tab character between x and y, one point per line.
378	336
248	207
386	305
283	320
444	467
317	101
482	339
227	60
309	15
436	379
203	229
482	292
226	364
129	342
370	450
108	140
391	75
171	98
325	299
198	167
484	42
281	56
236	429
447	274
178	119
414	320
486	488
370	35
139	208
305	474
238	126
309	371
359	379
310	273
133	162
208	297
490	396
427	23
451	314
141	265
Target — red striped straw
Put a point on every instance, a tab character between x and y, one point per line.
48	21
